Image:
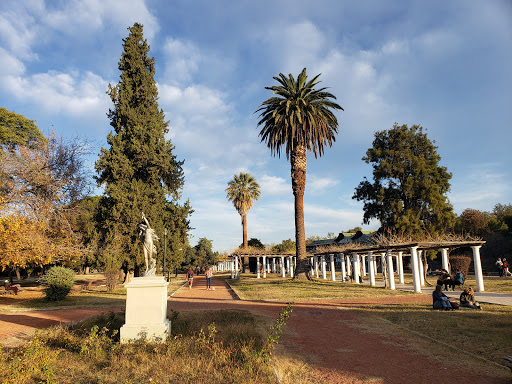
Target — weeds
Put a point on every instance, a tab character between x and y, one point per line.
275	333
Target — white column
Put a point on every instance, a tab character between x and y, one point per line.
375	269
355	266
416	282
333	268
236	267
371	268
343	267
363	264
422	271
478	268
349	265
400	267
315	264
264	267
273	265
391	273
444	259
324	269
290	258
232	269
258	267
283	269
382	257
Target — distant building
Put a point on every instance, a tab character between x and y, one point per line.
363	237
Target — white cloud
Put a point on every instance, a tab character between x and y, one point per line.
274	185
319	185
10	65
182	58
69	94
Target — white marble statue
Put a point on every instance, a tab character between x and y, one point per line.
148	238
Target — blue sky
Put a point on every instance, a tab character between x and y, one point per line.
445	65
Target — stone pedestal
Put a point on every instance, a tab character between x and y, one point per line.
146	310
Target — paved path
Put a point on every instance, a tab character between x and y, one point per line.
339	349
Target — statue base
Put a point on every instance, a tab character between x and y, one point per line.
146	310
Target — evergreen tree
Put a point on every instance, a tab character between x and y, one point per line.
139	170
408	193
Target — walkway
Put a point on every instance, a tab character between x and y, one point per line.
339	349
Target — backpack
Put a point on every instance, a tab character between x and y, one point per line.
190	275
459	277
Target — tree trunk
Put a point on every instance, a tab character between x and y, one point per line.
298	162
245	260
18	275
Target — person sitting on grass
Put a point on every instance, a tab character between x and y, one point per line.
445	279
440	300
467	299
458	279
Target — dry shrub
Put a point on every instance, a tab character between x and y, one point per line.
113	277
460	262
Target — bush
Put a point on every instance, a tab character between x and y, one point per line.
58	282
113	277
460	262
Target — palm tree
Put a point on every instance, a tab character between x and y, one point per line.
243	190
299	118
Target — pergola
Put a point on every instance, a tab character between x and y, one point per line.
358	257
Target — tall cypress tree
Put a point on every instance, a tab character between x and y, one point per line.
139	170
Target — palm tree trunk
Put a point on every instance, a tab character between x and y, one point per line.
298	162
245	263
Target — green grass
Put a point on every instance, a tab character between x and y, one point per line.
248	287
206	347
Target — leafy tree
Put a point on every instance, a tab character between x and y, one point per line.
300	118
139	170
16	130
40	181
503	216
285	246
242	191
408	192
474	222
255	243
204	253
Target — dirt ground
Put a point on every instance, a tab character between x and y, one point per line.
323	330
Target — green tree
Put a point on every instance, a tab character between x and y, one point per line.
242	191
473	222
255	243
300	118
139	170
17	130
285	246
408	192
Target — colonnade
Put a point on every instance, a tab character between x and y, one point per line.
355	265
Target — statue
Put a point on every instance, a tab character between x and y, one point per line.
148	237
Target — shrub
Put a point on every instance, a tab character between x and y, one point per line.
460	262
113	277
58	282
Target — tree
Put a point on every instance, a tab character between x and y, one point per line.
300	118
41	179
139	170
242	191
285	246
255	243
408	193
474	222
16	130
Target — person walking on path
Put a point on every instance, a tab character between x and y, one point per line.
208	274
506	272
190	277
499	265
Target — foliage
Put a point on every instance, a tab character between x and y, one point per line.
460	262
275	332
474	222
255	243
201	254
58	282
285	246
242	191
408	193
139	171
300	118
113	277
16	130
40	182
